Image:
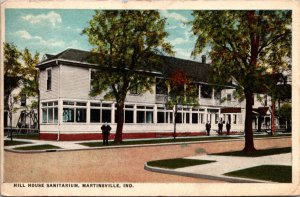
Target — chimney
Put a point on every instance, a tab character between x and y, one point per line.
203	57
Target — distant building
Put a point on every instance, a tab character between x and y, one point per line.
67	112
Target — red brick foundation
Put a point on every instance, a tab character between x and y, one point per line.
96	136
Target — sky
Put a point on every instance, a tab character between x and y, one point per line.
52	31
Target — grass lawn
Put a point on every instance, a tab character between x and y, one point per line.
38	147
156	141
32	136
268	135
275	173
177	163
257	153
13	143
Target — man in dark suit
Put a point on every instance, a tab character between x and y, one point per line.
220	125
228	126
105	133
208	126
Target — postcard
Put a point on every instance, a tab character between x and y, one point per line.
150	98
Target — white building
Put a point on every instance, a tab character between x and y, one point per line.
67	112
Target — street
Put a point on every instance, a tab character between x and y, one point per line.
114	165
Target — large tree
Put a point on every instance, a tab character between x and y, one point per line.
126	46
12	71
30	79
246	45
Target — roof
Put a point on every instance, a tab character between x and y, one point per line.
195	70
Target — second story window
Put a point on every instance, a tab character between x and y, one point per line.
206	91
49	79
161	86
266	100
228	97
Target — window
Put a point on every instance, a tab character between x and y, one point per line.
80	115
161	86
145	114
187	118
194	118
217	94
106	115
161	117
228	97
164	115
179	117
49	112
49	79
206	91
74	111
128	116
100	112
95	115
266	100
68	114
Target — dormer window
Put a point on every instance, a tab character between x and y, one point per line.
49	79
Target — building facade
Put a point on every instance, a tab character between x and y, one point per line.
67	112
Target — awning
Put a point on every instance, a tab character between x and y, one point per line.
226	110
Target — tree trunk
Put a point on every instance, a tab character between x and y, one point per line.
11	131
273	118
249	144
175	120
120	123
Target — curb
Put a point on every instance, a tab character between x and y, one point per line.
204	176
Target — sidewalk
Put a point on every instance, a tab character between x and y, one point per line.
75	145
225	164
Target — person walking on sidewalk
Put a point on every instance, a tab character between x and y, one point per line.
105	133
208	126
228	126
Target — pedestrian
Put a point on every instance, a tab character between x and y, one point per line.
105	133
220	126
228	126
208	126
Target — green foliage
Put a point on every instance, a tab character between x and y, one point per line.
12	70
30	80
19	71
251	46
177	163
245	45
258	153
275	173
38	147
126	42
285	112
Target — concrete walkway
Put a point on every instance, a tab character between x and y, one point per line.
75	145
225	164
